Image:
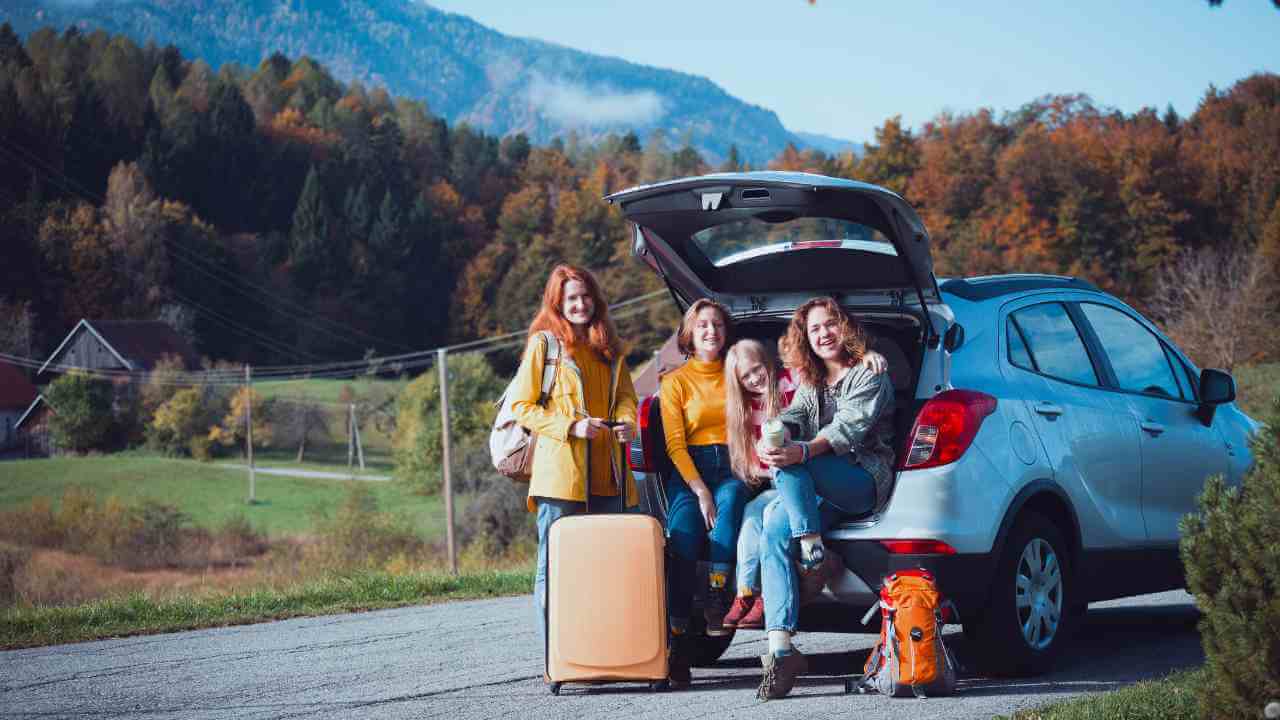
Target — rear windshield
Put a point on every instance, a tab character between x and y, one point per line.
760	235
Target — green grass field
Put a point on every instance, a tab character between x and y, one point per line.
207	492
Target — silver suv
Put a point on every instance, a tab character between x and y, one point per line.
1051	437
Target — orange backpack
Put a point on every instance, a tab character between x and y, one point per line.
910	657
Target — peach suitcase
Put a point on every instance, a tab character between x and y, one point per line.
606	600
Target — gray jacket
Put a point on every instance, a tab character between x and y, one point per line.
862	430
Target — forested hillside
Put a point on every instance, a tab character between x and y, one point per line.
277	214
462	70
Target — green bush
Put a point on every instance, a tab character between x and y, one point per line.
1231	550
359	535
82	418
418	451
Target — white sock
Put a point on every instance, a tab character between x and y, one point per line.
808	543
779	641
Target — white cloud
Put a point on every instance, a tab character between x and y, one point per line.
573	104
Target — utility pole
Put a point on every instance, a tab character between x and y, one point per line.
441	362
351	433
248	417
355	428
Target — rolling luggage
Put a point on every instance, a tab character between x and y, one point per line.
606	600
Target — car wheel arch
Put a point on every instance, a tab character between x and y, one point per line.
1050	500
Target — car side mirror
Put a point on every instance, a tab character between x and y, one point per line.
1216	387
954	338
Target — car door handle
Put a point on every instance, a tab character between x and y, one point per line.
1048	409
1153	428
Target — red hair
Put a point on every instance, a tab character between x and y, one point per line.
601	335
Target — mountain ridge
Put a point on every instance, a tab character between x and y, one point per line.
464	70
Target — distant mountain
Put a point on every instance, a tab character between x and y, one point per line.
828	144
462	69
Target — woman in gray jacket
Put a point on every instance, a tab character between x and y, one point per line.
839	463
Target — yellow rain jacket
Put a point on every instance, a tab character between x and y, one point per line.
561	461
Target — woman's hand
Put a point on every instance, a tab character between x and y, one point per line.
624	432
588	428
875	362
706	503
789	454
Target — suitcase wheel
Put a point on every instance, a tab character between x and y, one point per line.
659	686
555	688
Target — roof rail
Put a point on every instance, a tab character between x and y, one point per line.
991	286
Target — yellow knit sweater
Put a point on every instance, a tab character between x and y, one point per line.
692	399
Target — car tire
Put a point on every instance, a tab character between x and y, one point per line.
708	649
1029	615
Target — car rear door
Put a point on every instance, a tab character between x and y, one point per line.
766	241
1093	451
1178	451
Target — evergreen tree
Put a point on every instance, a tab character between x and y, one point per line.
311	239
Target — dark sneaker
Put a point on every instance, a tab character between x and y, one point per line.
742	605
754	619
678	662
780	672
714	612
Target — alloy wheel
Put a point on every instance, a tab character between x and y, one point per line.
1038	593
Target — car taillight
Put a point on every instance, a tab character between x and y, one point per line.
643	446
946	426
918	547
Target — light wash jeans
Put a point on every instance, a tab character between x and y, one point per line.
749	541
688	534
812	497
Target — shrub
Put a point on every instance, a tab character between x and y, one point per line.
497	520
1231	550
361	535
13	559
82	418
418	451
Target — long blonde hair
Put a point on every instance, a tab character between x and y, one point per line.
737	407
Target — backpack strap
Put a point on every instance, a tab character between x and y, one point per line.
549	365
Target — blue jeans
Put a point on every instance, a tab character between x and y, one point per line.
550	510
749	541
812	497
688	532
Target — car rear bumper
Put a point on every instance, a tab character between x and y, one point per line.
964	578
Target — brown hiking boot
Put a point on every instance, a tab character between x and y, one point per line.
780	672
754	620
813	579
742	605
679	658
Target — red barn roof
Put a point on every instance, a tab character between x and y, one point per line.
16	392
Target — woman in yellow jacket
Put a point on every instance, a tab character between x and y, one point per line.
578	465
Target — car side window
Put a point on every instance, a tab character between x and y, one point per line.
1018	353
1054	343
1137	356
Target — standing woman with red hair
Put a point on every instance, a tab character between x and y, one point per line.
576	462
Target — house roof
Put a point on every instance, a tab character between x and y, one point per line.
31	410
138	344
667	358
16	391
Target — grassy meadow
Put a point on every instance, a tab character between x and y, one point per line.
209	492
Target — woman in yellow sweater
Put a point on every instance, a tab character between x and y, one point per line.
705	500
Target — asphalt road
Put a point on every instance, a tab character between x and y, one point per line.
483	660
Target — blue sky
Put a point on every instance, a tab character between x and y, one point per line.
841	67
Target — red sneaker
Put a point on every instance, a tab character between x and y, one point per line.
754	619
740	608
